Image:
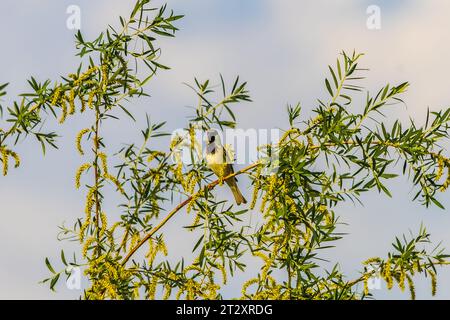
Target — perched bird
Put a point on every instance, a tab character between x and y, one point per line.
219	162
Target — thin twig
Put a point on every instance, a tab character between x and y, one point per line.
97	177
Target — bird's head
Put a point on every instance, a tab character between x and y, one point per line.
212	136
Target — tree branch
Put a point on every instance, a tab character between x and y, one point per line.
373	272
97	178
210	186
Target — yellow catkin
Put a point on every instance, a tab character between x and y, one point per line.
151	254
307	234
124	241
88	212
90	83
191	289
162	247
254	196
179	173
5	155
416	267
155	209
192	138
136	291
135	238
90	199
372	260
155	154
109	288
104	77
104	160
5	160
179	294
56	96
79	139
256	187
264	203
175	142
440	171
193	180
290	203
192	268
35	108
86	246
401	280
63	117
152	288
261	255
91	97
196	220
412	289
287	134
16	158
110	234
83	104
329	218
167	292
433	282
104	220
387	274
72	102
267	263
191	203
115	182
446	184
212	291
85	75
84	226
157	179
247	284
273	182
112	270
80	171
366	284
224	273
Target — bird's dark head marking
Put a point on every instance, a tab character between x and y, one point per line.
212	136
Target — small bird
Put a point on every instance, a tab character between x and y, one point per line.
219	162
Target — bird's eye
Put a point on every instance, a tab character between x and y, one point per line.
212	139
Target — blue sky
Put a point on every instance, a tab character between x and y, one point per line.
282	48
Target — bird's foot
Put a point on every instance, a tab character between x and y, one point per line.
220	181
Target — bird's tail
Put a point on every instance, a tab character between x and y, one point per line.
236	192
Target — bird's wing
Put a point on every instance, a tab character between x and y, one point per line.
226	159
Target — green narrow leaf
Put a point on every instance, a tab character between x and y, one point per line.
437	203
327	83
334	77
49	266
54	282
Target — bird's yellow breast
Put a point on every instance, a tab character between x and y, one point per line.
216	163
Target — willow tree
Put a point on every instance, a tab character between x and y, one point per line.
124	254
